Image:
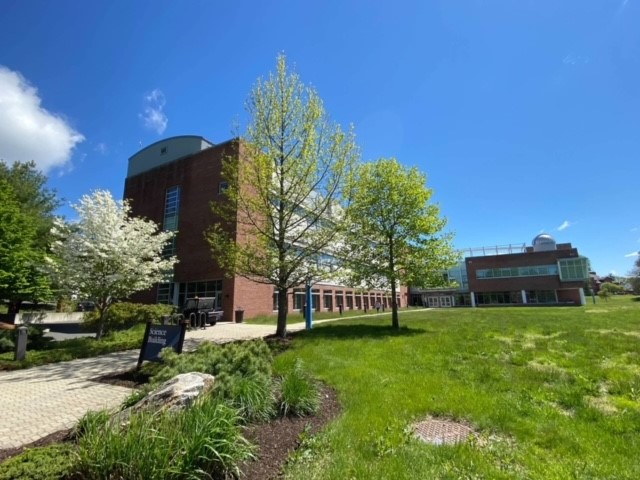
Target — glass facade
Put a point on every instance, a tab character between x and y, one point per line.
171	214
511	272
210	288
574	269
459	275
170	223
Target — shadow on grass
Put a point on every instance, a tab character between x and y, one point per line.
342	332
636	299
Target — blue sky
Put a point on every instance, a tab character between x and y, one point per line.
524	115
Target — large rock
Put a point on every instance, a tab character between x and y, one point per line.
178	393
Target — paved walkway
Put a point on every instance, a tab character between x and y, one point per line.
42	400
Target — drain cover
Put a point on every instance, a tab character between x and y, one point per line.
441	432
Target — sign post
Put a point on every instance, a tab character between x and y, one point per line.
157	337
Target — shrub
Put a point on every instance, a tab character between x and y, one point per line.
200	441
242	371
124	315
300	395
253	395
47	463
6	341
242	359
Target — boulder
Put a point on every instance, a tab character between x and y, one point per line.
176	394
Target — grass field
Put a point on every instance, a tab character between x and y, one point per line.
295	317
552	392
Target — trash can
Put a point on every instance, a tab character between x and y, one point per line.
239	316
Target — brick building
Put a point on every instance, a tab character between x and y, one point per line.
173	182
544	273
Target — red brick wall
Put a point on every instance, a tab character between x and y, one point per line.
547	282
199	177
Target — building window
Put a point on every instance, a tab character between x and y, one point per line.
163	150
574	269
209	288
511	272
328	300
275	300
542	296
170	223
499	298
350	300
223	186
165	293
298	299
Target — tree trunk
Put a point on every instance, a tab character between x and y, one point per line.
14	306
101	319
283	308
395	323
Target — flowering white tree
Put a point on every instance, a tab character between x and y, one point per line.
107	255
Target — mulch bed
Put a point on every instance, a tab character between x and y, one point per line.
275	441
279	438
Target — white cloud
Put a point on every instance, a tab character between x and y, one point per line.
153	115
632	254
101	148
566	224
28	131
571	59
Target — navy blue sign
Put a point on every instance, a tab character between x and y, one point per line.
157	337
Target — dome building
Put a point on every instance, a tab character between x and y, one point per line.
545	273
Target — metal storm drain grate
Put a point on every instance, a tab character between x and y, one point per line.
441	432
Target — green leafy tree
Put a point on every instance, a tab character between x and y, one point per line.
27	215
608	289
634	276
395	235
286	188
108	255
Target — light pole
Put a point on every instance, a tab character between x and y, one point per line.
308	314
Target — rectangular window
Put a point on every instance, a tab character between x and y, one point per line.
165	293
574	269
210	288
350	300
298	299
512	272
222	187
328	300
170	223
358	302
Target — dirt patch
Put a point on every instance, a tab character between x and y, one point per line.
129	379
279	438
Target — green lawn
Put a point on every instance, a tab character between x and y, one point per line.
295	317
553	393
76	348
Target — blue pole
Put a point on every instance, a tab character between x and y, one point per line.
308	314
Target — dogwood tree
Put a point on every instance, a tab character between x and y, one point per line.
107	255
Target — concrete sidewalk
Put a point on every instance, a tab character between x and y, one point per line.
41	400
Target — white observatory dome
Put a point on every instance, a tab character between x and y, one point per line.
543	243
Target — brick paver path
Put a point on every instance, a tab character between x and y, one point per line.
42	400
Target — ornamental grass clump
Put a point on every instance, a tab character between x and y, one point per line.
300	395
201	442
